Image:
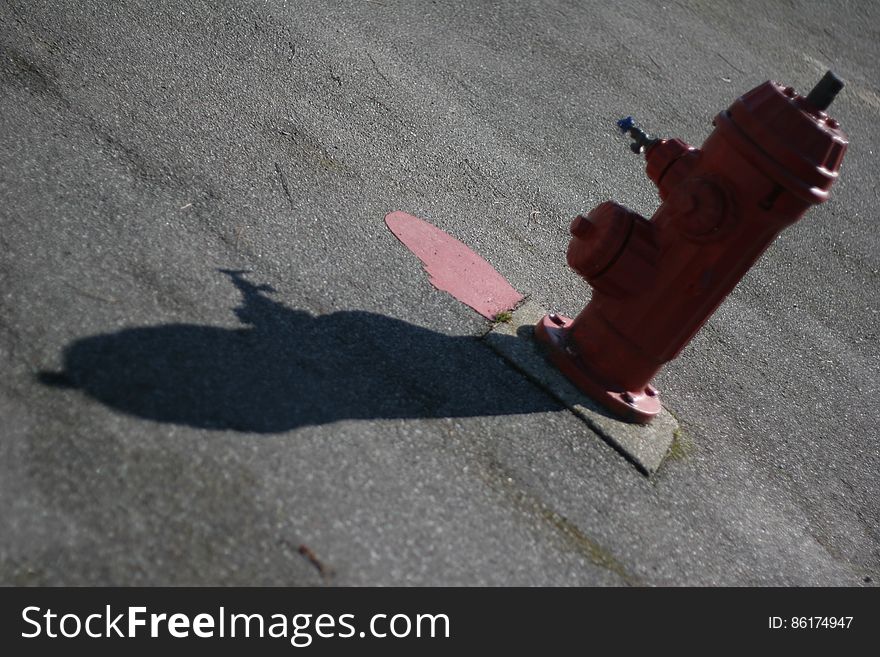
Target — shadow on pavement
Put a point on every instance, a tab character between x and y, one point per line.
288	368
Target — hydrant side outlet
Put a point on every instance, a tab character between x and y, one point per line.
656	281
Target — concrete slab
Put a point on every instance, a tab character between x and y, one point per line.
645	446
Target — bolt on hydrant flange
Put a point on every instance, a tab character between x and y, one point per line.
655	282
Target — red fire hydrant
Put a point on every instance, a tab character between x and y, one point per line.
772	155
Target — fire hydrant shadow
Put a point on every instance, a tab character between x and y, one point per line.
287	368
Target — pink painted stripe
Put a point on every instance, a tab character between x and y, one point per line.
453	267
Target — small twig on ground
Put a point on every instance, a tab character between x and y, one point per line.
284	184
734	67
312	558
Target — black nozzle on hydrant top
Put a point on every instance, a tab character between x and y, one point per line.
825	91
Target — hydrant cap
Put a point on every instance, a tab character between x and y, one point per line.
598	238
799	136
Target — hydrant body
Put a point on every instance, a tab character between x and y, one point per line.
772	155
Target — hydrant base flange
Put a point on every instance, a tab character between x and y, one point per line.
639	406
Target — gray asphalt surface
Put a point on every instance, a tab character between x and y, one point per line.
165	422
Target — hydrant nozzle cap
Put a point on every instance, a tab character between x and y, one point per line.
825	91
598	238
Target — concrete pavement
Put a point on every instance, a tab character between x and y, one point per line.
164	422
